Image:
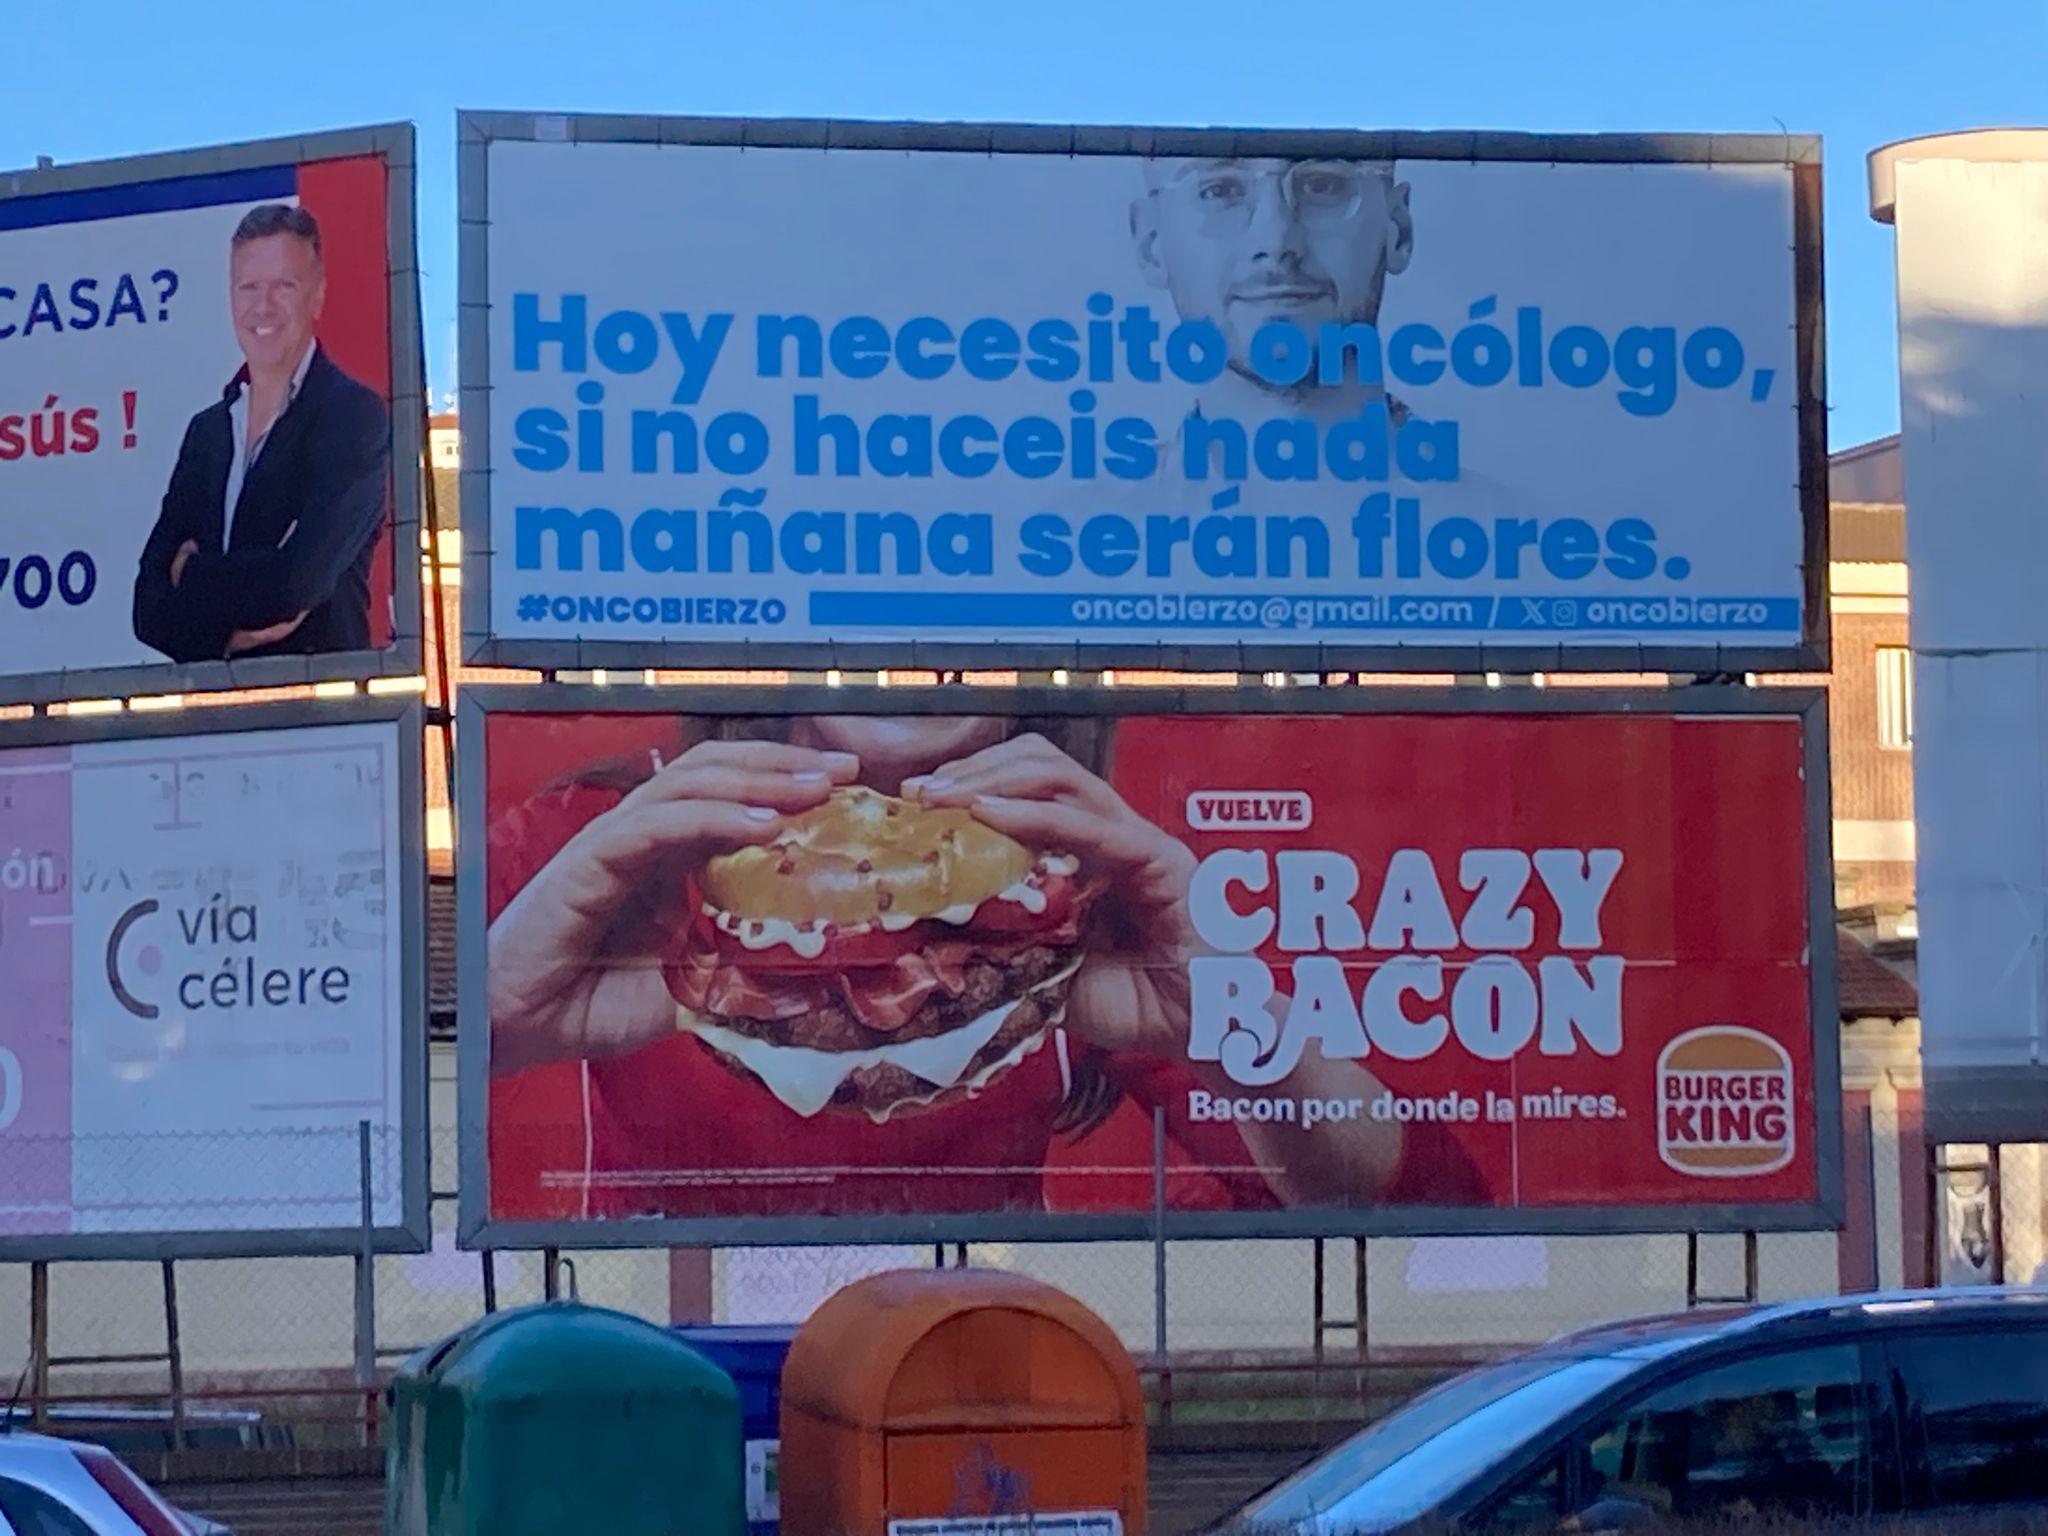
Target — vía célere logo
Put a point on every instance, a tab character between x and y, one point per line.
1724	1103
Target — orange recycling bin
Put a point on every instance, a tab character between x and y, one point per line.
959	1402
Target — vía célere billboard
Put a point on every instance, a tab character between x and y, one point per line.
882	969
1145	396
208	442
212	945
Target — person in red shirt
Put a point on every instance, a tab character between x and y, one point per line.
587	878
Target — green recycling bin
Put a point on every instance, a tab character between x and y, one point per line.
562	1417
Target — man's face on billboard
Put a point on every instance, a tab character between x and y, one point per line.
1245	242
276	287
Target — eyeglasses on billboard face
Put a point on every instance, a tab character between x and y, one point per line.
1319	193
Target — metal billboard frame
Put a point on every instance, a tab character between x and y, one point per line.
404	657
413	1234
476	131
476	1229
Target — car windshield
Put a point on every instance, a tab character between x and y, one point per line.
1405	1464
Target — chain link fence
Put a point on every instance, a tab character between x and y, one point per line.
292	1320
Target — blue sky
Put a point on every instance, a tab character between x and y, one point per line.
134	78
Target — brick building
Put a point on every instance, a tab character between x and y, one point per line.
1870	694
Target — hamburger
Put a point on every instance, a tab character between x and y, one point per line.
879	957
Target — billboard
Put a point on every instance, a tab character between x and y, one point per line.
210	431
918	964
213	939
1971	215
1072	397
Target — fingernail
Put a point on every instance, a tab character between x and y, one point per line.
995	802
761	813
845	760
811	777
938	784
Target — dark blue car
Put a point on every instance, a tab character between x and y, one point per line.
1901	1408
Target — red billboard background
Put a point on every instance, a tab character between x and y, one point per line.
351	199
1702	926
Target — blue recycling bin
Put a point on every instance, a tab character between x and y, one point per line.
752	1357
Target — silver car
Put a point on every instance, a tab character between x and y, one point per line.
51	1487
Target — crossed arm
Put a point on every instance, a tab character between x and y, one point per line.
196	603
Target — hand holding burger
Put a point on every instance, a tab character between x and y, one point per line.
1131	991
850	950
575	956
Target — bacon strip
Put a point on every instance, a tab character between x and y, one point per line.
890	977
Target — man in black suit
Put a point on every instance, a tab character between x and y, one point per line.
264	544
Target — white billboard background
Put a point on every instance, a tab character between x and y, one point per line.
1972	240
698	230
175	357
203	946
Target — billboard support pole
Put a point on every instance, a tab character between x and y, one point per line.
1159	1233
1870	1196
550	1282
1319	1309
366	1269
1994	1194
490	1263
1937	1212
1750	1288
39	1344
1361	1295
174	1353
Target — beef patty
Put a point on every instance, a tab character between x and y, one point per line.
989	984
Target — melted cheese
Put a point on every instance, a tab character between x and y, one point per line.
755	933
766	932
981	1079
805	1079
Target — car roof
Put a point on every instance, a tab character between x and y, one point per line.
1668	1333
116	1413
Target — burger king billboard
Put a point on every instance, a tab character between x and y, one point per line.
881	965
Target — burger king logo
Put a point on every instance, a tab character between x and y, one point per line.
1724	1103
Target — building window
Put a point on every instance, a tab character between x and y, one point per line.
1894	697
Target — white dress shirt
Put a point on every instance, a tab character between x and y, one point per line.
247	453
